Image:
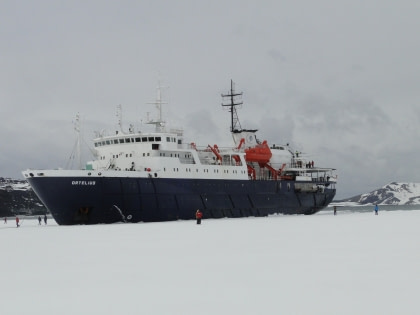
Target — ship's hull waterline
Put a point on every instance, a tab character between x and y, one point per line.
93	200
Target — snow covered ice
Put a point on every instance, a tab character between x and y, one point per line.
352	263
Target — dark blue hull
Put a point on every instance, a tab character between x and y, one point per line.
109	200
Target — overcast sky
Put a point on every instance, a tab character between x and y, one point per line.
338	80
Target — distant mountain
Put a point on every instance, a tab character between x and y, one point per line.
391	194
17	197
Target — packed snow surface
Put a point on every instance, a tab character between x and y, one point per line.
352	263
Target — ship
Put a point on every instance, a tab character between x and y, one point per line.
155	176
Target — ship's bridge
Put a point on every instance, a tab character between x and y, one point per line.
168	140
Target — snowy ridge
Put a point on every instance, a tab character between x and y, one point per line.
17	197
13	184
391	194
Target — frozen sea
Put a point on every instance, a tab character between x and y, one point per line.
351	263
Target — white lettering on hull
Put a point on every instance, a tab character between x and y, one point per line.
83	183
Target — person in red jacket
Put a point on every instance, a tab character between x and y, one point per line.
198	216
17	221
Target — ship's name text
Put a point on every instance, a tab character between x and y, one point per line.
83	182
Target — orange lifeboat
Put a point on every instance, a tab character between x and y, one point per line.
261	153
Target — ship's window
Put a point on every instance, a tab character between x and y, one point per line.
96	144
115	141
148	154
179	141
144	139
121	140
155	146
151	139
144	154
138	139
126	155
131	154
158	139
107	142
168	139
127	140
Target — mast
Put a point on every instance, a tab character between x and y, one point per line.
76	154
232	100
78	142
159	123
120	119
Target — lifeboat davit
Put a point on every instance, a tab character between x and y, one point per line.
261	153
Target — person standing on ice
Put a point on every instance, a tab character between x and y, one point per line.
335	210
45	219
39	220
376	209
198	216
17	221
5	220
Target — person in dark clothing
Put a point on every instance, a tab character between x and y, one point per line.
45	219
335	210
39	220
17	222
5	220
198	216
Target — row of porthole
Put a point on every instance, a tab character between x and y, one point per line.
206	171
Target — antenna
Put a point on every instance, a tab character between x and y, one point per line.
233	99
